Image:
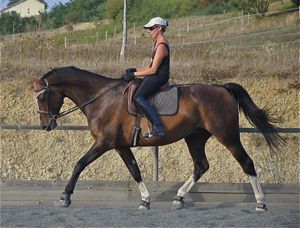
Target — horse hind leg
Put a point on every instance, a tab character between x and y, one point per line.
196	144
247	165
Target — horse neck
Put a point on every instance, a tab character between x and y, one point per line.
81	87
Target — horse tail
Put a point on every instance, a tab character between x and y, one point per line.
256	116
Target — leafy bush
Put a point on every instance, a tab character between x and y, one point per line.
11	22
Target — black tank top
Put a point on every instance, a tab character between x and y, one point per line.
164	68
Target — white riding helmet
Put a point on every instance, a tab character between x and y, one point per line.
156	21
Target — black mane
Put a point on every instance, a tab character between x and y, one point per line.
62	70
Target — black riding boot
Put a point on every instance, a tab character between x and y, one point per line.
151	114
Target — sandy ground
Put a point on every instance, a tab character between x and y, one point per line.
127	214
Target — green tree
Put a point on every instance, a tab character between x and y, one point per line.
114	8
56	15
29	24
83	11
262	6
10	23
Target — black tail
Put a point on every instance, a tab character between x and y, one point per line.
256	116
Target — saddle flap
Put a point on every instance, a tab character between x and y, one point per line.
130	89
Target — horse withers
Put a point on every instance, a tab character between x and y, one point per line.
204	110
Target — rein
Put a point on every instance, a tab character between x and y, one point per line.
46	89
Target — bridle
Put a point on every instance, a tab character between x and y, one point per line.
46	91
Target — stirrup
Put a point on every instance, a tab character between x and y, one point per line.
157	130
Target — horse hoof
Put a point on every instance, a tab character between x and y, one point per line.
62	203
261	207
178	203
64	200
144	205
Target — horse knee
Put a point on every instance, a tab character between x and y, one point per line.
248	167
135	173
200	169
78	167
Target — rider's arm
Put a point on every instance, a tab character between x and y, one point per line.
161	52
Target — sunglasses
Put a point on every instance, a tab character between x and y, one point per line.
153	27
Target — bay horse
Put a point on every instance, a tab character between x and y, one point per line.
204	110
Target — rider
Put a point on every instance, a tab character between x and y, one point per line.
154	76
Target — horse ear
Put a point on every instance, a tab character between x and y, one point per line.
34	79
36	83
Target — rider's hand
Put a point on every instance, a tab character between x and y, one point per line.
128	75
130	70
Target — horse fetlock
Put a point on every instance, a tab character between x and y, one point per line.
185	188
145	205
261	207
64	201
178	203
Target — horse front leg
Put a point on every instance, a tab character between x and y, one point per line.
98	149
130	161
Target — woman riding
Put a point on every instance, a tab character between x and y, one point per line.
154	76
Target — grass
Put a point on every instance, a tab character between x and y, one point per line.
229	50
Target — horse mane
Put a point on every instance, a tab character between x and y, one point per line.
62	70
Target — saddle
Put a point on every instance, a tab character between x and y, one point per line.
165	101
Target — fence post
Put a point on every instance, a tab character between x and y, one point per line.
187	25
14	31
242	19
106	35
134	33
65	41
248	18
155	163
0	54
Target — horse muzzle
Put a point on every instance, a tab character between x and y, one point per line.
51	125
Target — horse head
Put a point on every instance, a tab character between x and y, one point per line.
49	101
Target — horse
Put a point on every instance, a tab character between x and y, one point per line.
204	111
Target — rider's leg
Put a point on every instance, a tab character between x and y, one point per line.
147	88
151	114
